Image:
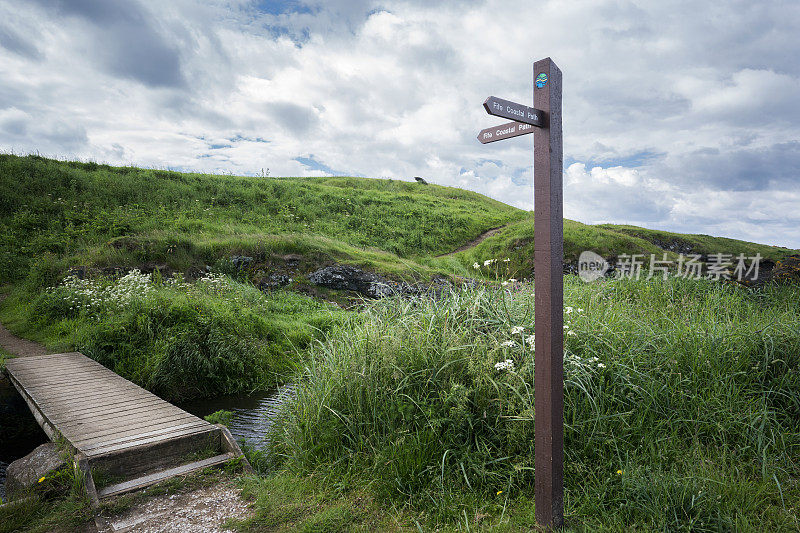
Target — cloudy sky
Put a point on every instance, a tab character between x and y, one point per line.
677	115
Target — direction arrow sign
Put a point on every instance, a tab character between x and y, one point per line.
504	131
511	110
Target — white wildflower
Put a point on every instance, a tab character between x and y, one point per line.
517	330
507	343
568	310
475	266
508	364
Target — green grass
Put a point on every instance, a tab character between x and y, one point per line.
58	214
125	215
699	244
178	340
3	356
515	242
58	502
693	397
689	418
285	502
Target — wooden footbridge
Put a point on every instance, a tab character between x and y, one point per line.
118	431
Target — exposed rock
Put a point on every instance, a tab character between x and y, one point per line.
275	281
350	278
787	270
26	472
241	262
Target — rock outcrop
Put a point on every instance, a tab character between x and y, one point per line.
350	278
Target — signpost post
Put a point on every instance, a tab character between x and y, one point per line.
548	279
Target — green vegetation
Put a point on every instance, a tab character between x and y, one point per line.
57	502
220	417
515	242
3	356
179	340
682	407
682	398
84	213
60	214
283	502
699	244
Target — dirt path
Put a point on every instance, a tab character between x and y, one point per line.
475	242
17	345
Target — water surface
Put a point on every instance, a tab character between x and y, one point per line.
20	434
252	413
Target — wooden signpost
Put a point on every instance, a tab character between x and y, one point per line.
548	278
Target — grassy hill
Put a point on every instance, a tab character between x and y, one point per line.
59	214
84	213
682	397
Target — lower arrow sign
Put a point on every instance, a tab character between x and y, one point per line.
504	131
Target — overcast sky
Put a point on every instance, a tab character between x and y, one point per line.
677	115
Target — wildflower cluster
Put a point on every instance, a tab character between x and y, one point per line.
508	364
568	322
579	363
215	283
91	296
529	341
489	262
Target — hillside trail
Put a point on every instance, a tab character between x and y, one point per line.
476	241
201	509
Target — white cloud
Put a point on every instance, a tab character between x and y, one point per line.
683	116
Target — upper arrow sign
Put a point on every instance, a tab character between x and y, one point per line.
511	110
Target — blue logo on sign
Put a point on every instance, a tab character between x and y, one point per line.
541	80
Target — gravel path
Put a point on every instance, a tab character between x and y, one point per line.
201	510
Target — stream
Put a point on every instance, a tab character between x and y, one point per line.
253	413
19	431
